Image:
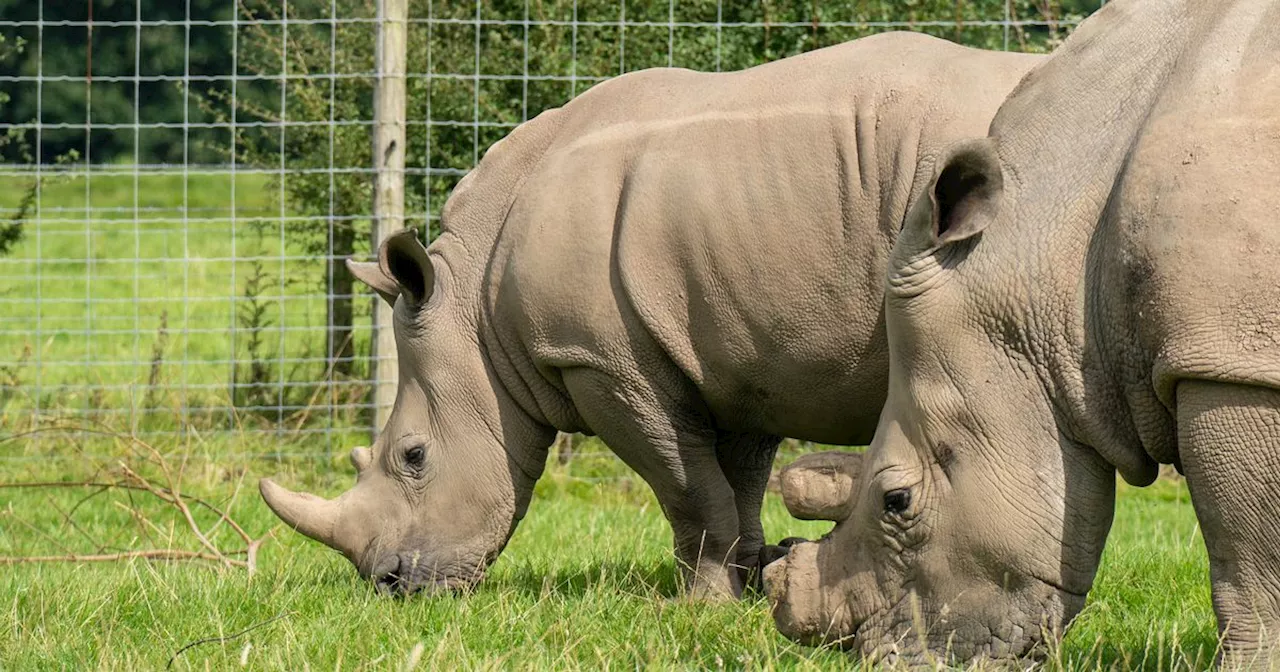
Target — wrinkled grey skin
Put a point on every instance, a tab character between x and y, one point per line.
688	265
1091	289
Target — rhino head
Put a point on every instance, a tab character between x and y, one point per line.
438	494
973	525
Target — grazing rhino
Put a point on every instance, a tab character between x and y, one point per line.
687	265
1091	289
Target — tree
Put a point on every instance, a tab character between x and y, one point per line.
14	143
316	126
76	74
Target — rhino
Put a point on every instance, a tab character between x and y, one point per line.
1090	290
688	265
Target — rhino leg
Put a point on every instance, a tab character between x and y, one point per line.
746	460
1229	442
647	421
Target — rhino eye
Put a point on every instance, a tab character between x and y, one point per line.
415	456
897	501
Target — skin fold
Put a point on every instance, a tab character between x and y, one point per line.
688	265
1092	289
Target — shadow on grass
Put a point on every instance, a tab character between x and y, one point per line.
658	579
1181	651
653	580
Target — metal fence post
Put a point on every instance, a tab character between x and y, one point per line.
388	192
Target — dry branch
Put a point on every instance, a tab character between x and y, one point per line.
208	640
152	554
167	491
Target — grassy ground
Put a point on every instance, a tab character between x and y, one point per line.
585	583
125	284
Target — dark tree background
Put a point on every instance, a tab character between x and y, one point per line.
120	51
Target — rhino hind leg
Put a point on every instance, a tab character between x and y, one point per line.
1229	443
746	460
647	421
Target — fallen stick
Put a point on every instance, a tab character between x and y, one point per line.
134	482
209	640
152	554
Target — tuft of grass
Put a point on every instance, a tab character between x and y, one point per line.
586	583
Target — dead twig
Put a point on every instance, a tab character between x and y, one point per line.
98	546
131	481
143	522
208	640
222	515
150	554
144	525
176	500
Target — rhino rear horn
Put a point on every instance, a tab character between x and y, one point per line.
403	259
370	273
820	486
361	458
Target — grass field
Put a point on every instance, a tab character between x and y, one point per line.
125	284
585	584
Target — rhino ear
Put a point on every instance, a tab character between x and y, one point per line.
371	274
966	191
403	259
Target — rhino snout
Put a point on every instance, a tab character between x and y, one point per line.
803	609
410	572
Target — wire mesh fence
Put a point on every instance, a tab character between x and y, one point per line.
183	180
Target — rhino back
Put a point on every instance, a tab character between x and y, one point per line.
1191	237
757	257
743	221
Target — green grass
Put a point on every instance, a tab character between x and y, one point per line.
585	583
109	261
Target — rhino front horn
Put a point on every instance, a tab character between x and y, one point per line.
313	516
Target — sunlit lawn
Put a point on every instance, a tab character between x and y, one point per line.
585	583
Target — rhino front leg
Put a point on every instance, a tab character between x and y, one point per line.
1229	443
704	521
746	460
649	423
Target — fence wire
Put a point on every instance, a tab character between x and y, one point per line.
183	180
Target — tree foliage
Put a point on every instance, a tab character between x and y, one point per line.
164	50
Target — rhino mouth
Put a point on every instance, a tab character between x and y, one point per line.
886	639
393	585
404	579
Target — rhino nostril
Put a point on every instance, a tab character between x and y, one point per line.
388	581
387	584
792	541
771	554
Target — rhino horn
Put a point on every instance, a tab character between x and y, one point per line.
820	486
361	458
313	516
